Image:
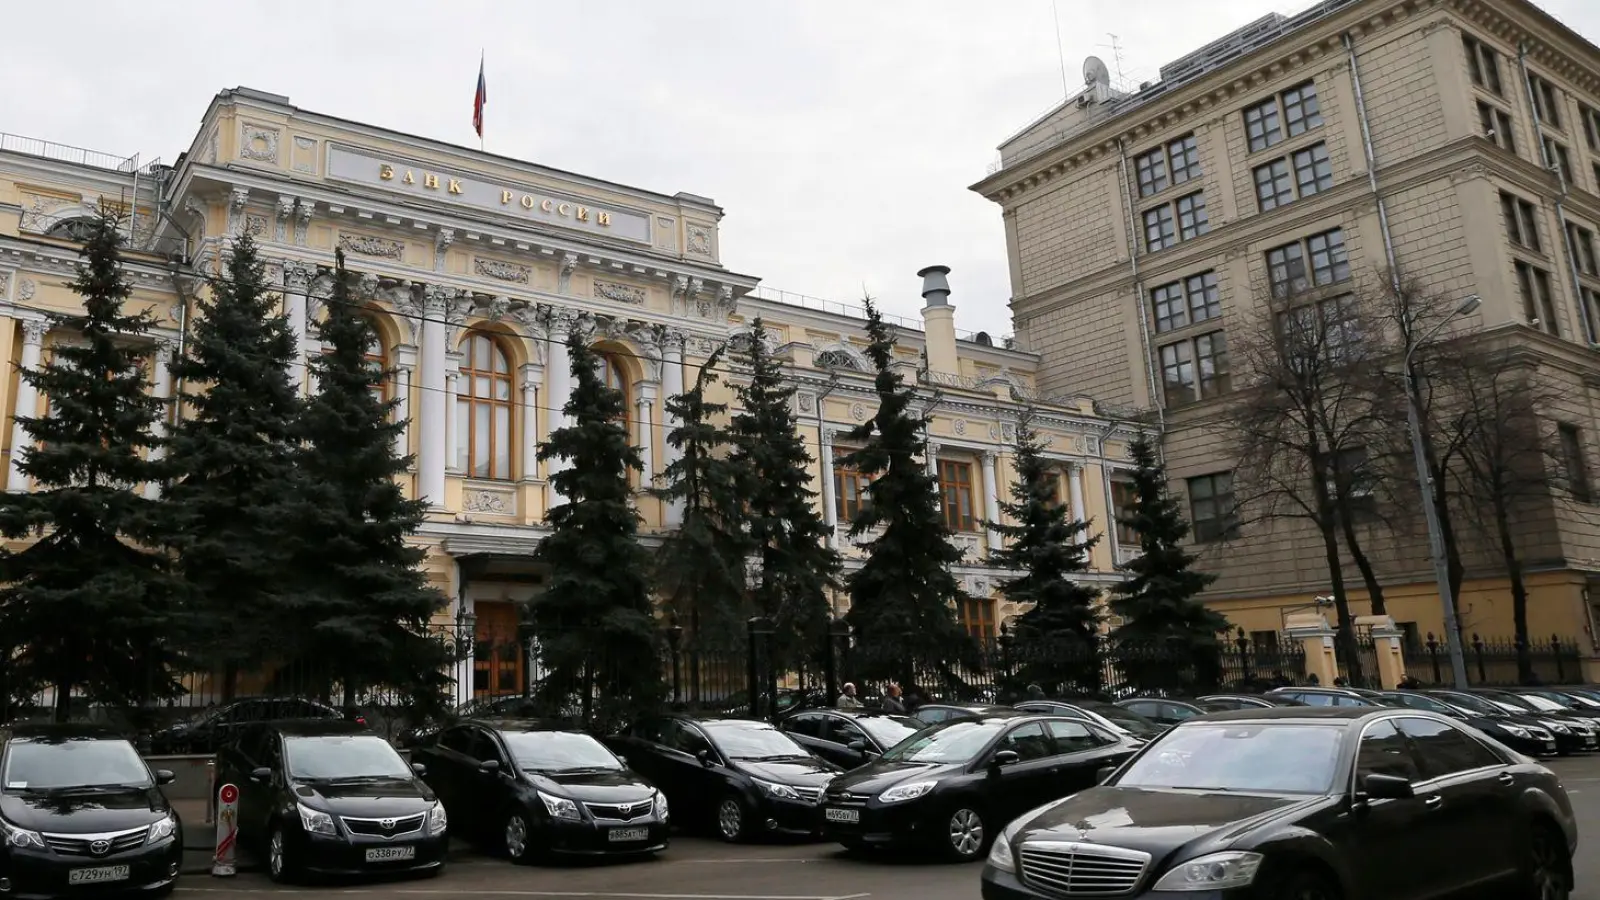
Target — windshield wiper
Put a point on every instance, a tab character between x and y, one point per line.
350	779
777	757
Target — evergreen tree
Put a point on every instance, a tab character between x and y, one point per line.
595	623
1057	638
88	600
700	567
786	525
369	602
902	597
233	456
1168	640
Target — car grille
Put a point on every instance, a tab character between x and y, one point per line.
385	828
1071	869
621	812
808	794
96	844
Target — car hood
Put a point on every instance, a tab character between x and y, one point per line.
878	776
380	799
1157	821
620	786
800	772
83	812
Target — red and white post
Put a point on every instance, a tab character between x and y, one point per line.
223	864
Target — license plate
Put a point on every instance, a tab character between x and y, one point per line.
1589	741
390	854
619	835
97	876
847	816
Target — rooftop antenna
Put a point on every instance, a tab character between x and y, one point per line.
1061	53
1116	55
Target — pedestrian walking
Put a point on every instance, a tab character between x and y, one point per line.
847	699
891	699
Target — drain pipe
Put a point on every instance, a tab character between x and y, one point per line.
1138	291
1372	164
1554	165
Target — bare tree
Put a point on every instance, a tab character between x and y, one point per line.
1313	406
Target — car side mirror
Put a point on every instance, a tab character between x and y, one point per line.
261	775
489	766
165	776
1387	787
857	746
1004	758
705	758
1104	775
420	769
622	759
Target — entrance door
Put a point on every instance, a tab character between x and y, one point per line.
497	664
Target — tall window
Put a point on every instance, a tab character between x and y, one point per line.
1483	64
955	487
977	617
483	409
616	378
1123	498
378	361
849	492
1575	462
1496	125
1287	267
1211	507
1289	114
1538	303
1522	221
1546	101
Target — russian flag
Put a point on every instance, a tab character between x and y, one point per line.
479	100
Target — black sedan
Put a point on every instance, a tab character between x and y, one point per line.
1106	715
949	788
1163	711
1313	804
934	713
530	788
1574	734
738	777
330	797
1223	702
1522	736
516	707
80	812
849	738
212	728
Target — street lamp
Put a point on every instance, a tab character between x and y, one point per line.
1441	566
466	628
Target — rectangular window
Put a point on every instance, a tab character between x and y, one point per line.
1329	265
1184	155
1211	508
1160	230
1123	499
1313	172
1301	112
1483	63
1152	168
1350	477
1496	125
977	617
1546	101
1167	303
849	492
1582	240
1291	113
1591	126
955	487
1262	124
1575	462
1286	269
1557	158
1537	303
1180	303
1192	218
1211	357
1203	300
1589	299
1177	373
1274	187
1522	221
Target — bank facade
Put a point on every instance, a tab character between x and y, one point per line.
474	268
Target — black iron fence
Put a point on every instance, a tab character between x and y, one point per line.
1498	661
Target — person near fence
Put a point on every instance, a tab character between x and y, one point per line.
1341	682
1409	682
891	699
1035	692
847	699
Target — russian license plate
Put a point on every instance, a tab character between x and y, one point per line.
1588	740
847	816
620	835
1550	745
97	876
390	854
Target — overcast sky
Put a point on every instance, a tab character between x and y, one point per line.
839	135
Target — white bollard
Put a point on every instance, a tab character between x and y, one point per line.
222	864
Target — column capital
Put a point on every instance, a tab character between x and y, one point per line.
646	393
166	350
987	457
33	330
673	341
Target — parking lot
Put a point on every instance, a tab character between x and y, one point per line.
698	869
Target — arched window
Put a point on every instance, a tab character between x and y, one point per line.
378	361
80	229
836	359
616	378
483	409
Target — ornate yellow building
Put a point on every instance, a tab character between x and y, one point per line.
475	267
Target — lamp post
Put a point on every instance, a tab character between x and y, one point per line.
466	628
1441	566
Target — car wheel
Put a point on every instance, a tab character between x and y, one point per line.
517	837
1545	870
281	866
966	834
732	822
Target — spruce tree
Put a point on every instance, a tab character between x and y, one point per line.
595	623
786	525
89	600
1057	639
369	603
700	567
902	598
233	457
1168	640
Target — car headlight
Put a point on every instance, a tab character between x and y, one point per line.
438	822
20	837
1212	872
1000	855
903	792
661	805
779	791
162	830
1558	728
560	807
1516	731
315	822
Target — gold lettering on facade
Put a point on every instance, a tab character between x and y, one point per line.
583	214
455	186
564	209
507	196
385	171
410	178
603	219
527	201
548	205
576	212
429	180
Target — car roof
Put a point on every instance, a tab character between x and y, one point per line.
1340	691
316	727
520	723
53	731
1298	713
1185	701
857	713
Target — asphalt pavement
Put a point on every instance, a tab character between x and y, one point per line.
698	869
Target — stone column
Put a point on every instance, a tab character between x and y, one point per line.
296	289
830	501
991	499
434	445
558	383
163	390
454	440
1386	638
1316	636
532	377
645	439
27	400
1075	490
405	364
672	386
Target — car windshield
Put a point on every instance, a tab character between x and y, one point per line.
1417	701
1249	757
890	730
44	765
1513	703
1129	720
558	751
343	756
1477	704
1545	702
752	741
956	742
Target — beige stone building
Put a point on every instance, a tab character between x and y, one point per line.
474	268
1457	140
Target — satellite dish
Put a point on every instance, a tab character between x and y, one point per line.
1095	73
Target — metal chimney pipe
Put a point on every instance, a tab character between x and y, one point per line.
935	287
